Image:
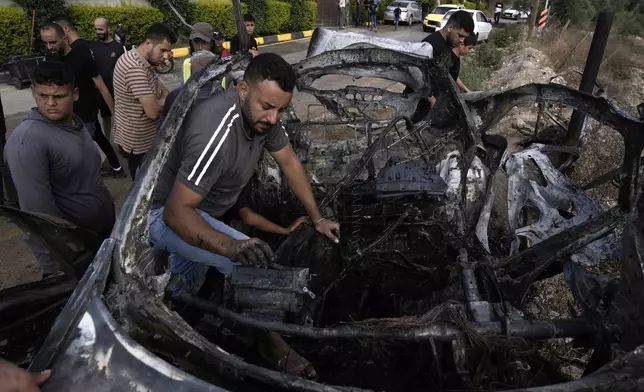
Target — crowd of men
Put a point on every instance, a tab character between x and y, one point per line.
57	169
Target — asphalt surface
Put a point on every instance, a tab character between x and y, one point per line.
16	102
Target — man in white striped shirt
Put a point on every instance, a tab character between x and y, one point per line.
213	158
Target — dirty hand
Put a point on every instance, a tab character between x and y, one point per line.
329	228
15	379
297	223
253	252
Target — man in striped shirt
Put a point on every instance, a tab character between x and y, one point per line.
214	156
139	95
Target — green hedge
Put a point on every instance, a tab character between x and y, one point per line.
219	14
136	19
277	17
311	15
15	28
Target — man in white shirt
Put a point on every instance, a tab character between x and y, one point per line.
498	9
342	13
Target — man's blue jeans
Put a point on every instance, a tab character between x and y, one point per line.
374	22
187	261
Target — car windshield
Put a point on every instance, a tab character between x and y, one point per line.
442	10
398	4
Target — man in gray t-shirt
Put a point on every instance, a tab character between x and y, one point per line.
54	163
213	158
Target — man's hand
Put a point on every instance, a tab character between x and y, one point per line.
15	379
252	252
297	223
329	228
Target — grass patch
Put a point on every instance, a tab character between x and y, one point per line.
477	67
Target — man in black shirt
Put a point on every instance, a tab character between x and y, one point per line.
106	52
459	26
235	44
76	54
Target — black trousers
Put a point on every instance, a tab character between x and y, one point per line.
497	17
104	143
134	161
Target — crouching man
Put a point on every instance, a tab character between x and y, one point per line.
214	156
53	160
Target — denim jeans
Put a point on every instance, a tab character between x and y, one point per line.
187	261
374	21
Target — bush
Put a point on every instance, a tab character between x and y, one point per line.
257	8
136	19
46	10
16	30
311	16
487	56
297	13
170	18
278	17
506	36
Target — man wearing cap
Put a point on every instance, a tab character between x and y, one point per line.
202	45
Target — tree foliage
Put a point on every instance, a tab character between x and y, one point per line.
170	18
46	10
629	14
298	14
257	8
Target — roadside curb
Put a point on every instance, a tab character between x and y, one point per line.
267	40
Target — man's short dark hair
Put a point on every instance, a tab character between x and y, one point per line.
249	18
462	20
53	73
471	40
60	33
270	66
64	21
158	32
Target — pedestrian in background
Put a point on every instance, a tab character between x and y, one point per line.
235	43
202	40
397	12
373	14
106	53
498	10
54	163
139	94
342	13
79	58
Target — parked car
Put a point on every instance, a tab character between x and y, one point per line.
482	24
410	12
432	21
512	13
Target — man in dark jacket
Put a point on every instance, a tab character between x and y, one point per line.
106	52
53	161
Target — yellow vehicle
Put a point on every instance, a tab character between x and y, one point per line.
432	21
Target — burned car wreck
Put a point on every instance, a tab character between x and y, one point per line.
423	291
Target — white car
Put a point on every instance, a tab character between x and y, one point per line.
482	24
410	12
511	13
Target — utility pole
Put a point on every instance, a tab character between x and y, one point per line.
593	62
532	21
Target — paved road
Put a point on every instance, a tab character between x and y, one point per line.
17	102
20	101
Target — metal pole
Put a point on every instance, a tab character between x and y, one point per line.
8	193
593	62
532	21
